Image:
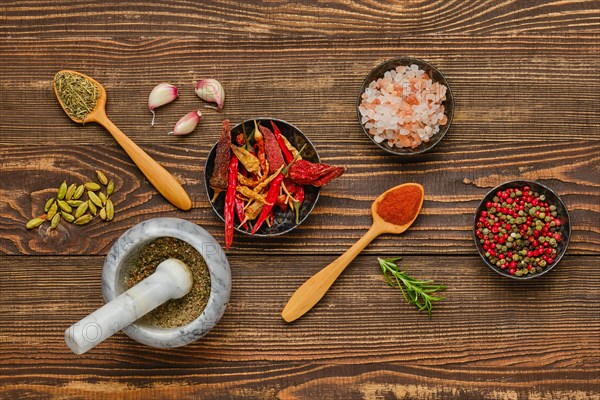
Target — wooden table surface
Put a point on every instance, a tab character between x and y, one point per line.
526	79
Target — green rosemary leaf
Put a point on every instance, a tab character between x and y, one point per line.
415	291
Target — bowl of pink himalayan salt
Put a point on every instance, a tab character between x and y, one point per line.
405	106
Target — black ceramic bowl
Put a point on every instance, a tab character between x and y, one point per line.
436	76
552	199
285	221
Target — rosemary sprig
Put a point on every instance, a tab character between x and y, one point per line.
419	293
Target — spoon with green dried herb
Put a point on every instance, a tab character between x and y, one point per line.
84	100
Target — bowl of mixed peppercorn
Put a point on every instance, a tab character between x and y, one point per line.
521	229
263	177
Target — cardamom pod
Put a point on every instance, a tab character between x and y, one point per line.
55	221
103	213
81	209
84	219
64	206
94	198
78	192
75	203
101	177
52	211
110	188
102	197
91	186
92	207
34	223
110	210
67	217
62	190
49	204
70	191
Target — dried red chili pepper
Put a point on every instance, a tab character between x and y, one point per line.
239	211
218	180
230	202
287	154
281	202
273	193
297	202
260	146
270	200
272	150
296	192
304	172
240	139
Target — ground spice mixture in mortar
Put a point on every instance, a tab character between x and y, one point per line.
176	312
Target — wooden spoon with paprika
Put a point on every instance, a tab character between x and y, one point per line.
393	211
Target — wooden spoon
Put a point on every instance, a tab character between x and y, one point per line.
160	178
309	294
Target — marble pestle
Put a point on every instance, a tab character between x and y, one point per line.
171	280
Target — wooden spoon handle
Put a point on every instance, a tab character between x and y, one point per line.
311	291
162	179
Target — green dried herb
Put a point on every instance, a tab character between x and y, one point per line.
419	293
78	94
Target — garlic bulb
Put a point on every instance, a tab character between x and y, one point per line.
212	91
187	123
159	96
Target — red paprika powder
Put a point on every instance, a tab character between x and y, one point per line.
401	205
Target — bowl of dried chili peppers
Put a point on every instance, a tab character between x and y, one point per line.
521	229
263	177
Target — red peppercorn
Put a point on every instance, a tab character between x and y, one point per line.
484	213
488	204
512	271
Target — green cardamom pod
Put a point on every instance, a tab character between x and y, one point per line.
49	204
67	217
52	211
55	221
102	197
84	219
103	213
75	203
64	206
81	209
110	188
92	207
101	177
62	190
70	192
78	192
34	223
94	198
92	186
110	210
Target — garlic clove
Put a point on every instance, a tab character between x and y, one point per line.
187	123
212	91
159	96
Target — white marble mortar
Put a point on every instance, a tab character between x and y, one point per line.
126	249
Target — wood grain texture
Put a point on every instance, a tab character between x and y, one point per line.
509	89
542	341
274	19
455	177
526	79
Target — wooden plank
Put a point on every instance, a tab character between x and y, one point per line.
491	336
279	18
505	92
455	178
